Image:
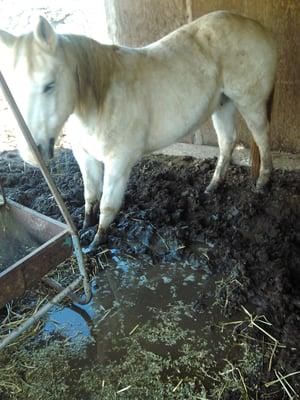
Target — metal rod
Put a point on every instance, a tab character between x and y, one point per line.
86	285
59	288
42	311
82	269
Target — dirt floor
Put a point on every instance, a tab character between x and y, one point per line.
195	296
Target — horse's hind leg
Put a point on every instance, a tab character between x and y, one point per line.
257	121
92	175
224	123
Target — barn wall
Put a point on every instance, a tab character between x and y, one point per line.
139	22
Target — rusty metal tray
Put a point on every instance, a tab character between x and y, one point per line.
31	244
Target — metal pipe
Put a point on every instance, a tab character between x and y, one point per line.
59	288
81	266
42	311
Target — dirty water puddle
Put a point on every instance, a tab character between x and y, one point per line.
168	310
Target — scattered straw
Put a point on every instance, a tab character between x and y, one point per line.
233	368
124	389
287	387
263	321
177	386
268	384
284	385
13	320
134	329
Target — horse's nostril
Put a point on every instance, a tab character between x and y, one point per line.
39	148
51	152
51	148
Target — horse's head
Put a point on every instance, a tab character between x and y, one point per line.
42	84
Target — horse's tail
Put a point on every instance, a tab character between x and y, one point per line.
254	151
255	159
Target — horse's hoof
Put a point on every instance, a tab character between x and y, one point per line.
259	189
90	250
100	238
211	189
262	189
86	235
263	183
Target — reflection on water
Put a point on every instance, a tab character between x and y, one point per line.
68	321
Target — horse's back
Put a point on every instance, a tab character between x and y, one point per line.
243	50
227	32
246	51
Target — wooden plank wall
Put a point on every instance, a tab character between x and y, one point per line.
140	22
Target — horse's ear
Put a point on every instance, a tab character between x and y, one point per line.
7	39
45	34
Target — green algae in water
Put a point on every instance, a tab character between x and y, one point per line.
183	370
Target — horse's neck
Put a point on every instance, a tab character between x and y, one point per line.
94	65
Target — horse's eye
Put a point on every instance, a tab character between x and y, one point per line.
49	87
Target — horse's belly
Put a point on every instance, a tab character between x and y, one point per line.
175	120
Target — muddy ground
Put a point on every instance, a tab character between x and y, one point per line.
230	257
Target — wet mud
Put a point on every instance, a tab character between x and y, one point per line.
195	296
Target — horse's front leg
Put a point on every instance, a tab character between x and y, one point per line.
116	175
92	175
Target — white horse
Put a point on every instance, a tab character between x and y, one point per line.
128	102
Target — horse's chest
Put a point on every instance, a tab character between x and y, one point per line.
94	146
89	138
